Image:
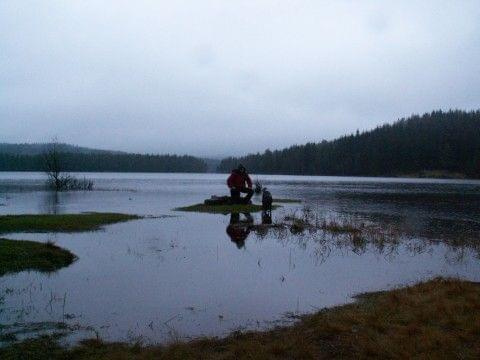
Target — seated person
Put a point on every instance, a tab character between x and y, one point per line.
240	182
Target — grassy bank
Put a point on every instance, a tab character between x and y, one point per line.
436	319
223	209
19	255
60	223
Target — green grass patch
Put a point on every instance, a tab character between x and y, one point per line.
60	223
223	209
438	319
20	255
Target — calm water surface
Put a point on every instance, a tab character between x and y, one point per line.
183	276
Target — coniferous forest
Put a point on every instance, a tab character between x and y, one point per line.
105	161
434	144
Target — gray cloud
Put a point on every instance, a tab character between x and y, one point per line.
218	78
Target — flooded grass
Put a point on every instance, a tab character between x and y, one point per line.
334	226
223	209
439	318
309	221
60	223
20	255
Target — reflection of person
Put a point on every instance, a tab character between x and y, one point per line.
239	182
238	230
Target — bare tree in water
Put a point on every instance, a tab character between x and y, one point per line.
53	167
58	179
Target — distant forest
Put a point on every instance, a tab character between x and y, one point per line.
40	148
435	144
103	161
438	142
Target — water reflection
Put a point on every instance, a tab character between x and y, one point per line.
239	228
355	234
50	203
267	217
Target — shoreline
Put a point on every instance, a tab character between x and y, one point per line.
435	318
424	174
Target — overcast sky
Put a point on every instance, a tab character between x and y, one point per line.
228	77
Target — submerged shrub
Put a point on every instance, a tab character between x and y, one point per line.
68	183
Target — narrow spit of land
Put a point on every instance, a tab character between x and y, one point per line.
234	208
439	318
21	255
60	223
223	209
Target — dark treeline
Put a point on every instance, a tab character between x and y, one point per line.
442	142
39	148
105	161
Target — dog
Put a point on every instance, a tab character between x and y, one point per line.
267	201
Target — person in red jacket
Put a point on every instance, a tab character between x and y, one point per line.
240	182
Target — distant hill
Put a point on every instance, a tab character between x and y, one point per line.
440	144
39	148
29	157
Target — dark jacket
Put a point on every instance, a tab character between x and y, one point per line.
238	180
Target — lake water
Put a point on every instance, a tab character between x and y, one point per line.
166	278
